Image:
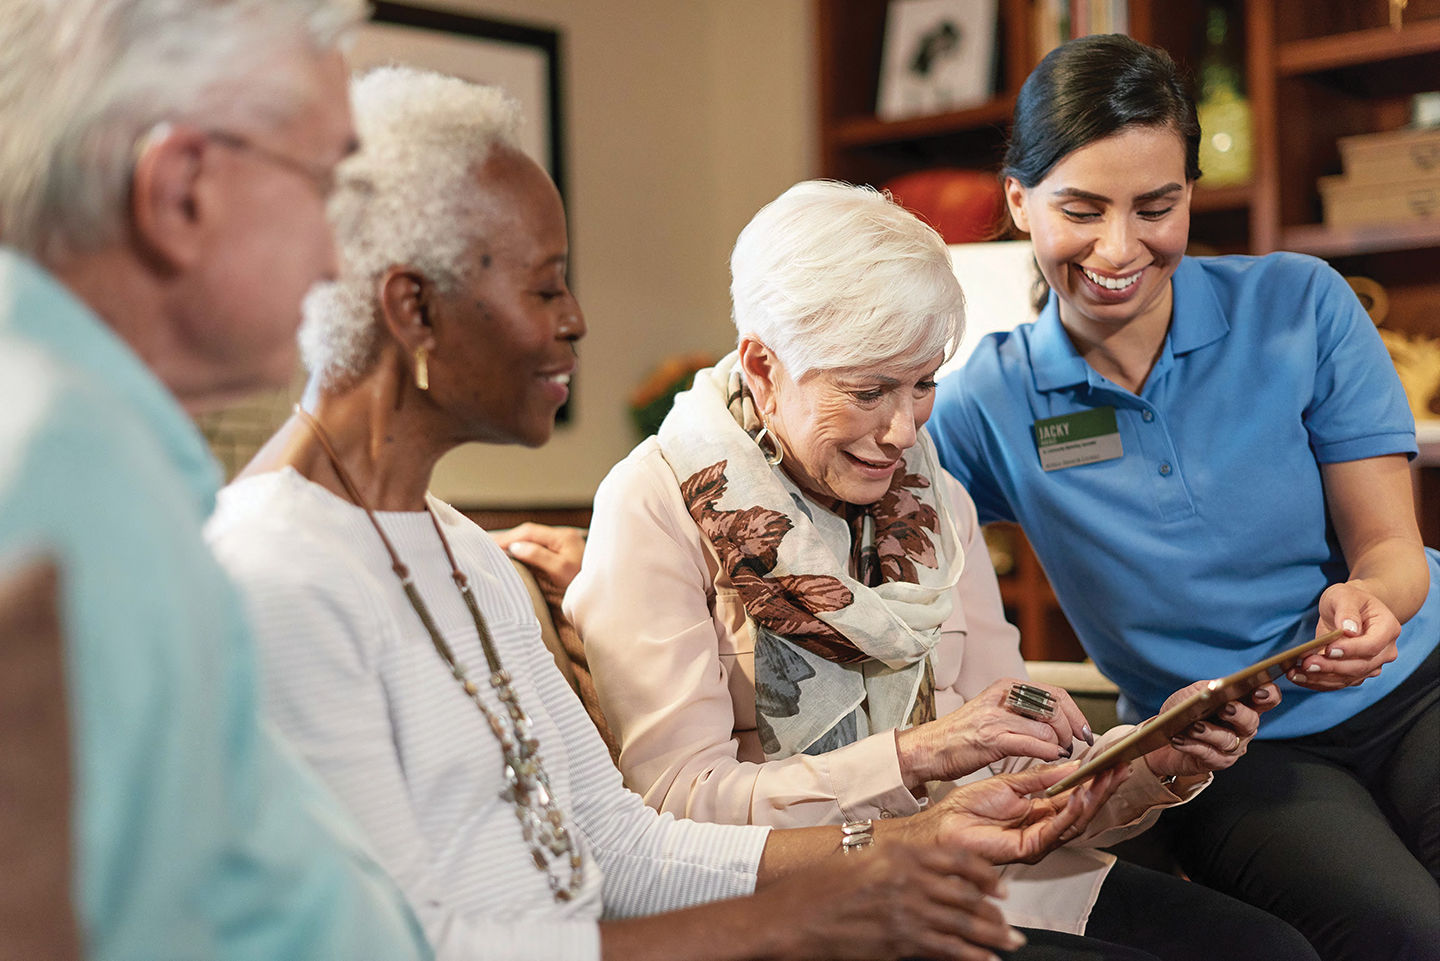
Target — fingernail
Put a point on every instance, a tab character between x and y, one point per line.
1229	710
1262	695
1336	652
1002	890
1086	733
1350	626
1313	668
1296	676
1016	939
1198	728
1066	752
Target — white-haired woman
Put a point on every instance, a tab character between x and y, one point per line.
788	609
401	652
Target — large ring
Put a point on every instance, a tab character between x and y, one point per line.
1030	701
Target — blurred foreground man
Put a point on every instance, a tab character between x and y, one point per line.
164	166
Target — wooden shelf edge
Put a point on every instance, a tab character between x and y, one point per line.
1357	47
1229	197
870	131
1323	241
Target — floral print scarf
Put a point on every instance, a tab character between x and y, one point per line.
845	601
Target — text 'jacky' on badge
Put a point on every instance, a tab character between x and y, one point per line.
1085	437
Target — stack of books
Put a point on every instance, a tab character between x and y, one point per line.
1389	178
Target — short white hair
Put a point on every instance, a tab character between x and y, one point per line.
82	82
407	197
831	276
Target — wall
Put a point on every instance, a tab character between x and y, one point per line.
683	118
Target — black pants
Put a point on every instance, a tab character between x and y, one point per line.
1144	915
1337	832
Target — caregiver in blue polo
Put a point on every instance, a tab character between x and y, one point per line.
1209	455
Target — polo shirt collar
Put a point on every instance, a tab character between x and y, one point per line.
1197	321
35	306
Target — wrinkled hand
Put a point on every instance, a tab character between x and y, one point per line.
1368	645
998	820
893	900
1216	742
983	731
553	553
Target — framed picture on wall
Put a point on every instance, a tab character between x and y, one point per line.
522	58
939	55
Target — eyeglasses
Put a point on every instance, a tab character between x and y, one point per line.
320	176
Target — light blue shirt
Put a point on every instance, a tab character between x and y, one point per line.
198	834
1206	545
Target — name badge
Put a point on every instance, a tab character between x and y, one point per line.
1070	440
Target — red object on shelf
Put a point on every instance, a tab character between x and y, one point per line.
963	205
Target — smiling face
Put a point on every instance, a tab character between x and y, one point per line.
1109	224
502	348
844	431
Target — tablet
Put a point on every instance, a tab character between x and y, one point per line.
1157	731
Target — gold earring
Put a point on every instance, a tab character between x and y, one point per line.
422	369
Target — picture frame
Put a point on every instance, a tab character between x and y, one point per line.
525	59
938	56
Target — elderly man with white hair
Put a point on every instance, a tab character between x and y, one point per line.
164	169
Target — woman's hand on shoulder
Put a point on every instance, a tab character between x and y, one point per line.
983	731
1216	742
553	553
1371	630
998	819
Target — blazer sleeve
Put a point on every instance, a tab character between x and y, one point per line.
644	606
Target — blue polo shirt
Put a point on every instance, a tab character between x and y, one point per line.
1205	545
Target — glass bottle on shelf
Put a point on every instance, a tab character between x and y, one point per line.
1223	108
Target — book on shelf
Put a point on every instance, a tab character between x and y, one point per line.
1059	20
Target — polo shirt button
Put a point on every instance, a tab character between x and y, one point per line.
886	814
1147	416
1165	469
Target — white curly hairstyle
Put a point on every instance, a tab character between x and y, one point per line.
82	82
407	197
830	276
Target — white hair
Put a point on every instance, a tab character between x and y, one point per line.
830	275
408	197
83	81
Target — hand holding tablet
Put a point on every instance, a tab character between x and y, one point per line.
1157	731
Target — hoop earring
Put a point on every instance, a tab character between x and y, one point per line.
422	369
775	454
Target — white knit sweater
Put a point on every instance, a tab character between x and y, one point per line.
354	680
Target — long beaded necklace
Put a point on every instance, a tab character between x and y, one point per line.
526	784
